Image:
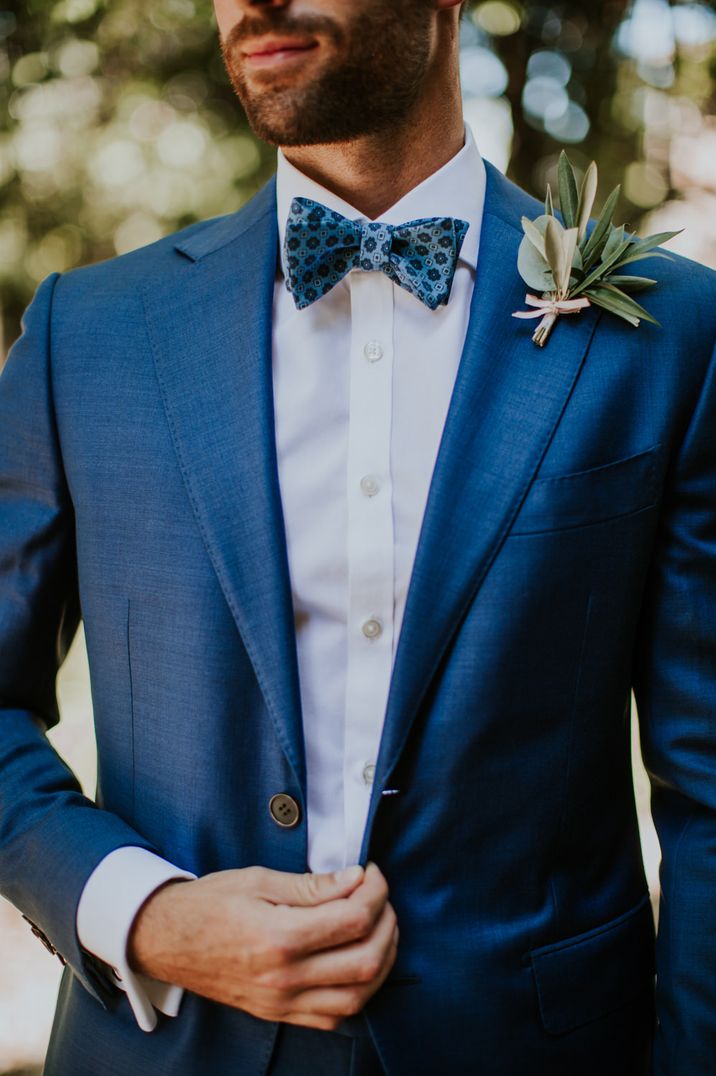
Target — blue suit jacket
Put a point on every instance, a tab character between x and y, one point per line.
567	553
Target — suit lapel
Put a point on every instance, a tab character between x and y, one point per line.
210	326
506	403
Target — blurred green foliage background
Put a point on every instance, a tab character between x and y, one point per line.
118	124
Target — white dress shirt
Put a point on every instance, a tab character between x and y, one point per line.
362	380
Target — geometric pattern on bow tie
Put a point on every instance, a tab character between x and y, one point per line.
322	246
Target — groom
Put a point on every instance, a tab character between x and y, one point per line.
366	580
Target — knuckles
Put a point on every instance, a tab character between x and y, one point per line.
254	875
359	922
312	887
368	970
270	960
277	979
281	954
353	1002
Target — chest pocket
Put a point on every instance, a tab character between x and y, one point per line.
592	496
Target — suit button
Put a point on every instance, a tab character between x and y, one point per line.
284	810
40	934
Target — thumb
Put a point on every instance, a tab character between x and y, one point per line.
305	890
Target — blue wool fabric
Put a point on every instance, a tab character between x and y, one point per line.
321	246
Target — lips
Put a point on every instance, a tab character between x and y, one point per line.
275	48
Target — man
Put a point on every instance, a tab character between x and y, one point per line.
366	579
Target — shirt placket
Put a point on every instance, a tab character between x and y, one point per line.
370	543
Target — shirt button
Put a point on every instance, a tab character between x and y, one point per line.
369	772
369	484
373	351
372	628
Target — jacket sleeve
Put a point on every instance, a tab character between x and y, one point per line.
51	835
674	681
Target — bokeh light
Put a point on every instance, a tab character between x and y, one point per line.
498	18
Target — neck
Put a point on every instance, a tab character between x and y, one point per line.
375	171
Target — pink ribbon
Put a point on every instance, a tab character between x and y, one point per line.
551	306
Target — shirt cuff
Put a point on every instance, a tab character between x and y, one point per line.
110	900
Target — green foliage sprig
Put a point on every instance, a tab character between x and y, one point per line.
573	268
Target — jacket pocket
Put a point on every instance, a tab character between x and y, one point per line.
591	974
591	496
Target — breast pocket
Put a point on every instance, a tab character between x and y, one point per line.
595	495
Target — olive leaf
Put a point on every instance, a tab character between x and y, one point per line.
641	247
566	255
569	249
554	250
594	244
533	268
605	263
617	302
630	283
587	193
534	233
560	244
601	297
616	239
568	199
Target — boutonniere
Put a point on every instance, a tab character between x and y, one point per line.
573	269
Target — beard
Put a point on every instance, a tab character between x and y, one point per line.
379	61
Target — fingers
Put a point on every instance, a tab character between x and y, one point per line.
305	890
336	1002
357	962
336	922
323	1023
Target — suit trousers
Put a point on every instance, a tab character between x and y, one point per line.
308	1051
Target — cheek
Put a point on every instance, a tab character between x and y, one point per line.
341	12
226	15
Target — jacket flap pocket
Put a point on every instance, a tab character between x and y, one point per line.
590	496
591	974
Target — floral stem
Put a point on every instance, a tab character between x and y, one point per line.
544	328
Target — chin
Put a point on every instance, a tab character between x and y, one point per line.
283	120
281	135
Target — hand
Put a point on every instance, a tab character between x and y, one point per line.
306	949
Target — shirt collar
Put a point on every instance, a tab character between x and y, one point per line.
455	190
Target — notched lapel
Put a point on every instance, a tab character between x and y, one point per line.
507	400
210	326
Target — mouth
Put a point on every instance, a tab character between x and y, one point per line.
277	52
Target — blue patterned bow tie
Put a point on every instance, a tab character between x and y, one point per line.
321	246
